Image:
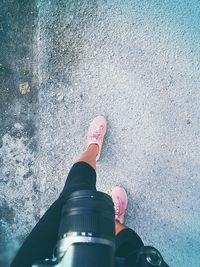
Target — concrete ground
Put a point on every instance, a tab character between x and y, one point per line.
137	63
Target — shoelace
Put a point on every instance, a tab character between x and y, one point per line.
117	207
97	133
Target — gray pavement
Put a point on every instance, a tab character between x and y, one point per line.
136	63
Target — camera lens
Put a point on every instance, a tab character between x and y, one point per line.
154	258
87	211
87	230
149	257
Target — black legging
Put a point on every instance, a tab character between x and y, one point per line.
42	240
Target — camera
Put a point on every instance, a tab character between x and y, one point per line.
86	235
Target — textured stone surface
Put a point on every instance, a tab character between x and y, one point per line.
137	63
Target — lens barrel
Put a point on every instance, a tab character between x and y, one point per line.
87	211
150	257
87	228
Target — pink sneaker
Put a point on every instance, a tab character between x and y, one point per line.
120	201
96	133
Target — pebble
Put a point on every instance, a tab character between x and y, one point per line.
60	98
18	126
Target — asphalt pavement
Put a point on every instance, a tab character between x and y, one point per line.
137	63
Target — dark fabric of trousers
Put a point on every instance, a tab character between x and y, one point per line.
41	242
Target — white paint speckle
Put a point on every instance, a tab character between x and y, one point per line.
18	126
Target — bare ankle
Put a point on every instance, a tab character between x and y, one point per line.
93	147
118	227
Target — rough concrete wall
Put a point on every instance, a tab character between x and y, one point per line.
18	105
137	63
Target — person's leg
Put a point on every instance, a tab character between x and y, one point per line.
118	227
90	155
126	240
95	138
42	240
127	243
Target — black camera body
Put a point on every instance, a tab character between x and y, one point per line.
87	235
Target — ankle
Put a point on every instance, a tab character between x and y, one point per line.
93	148
118	227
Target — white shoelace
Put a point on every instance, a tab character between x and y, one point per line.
96	134
117	208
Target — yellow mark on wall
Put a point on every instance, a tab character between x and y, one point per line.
24	88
